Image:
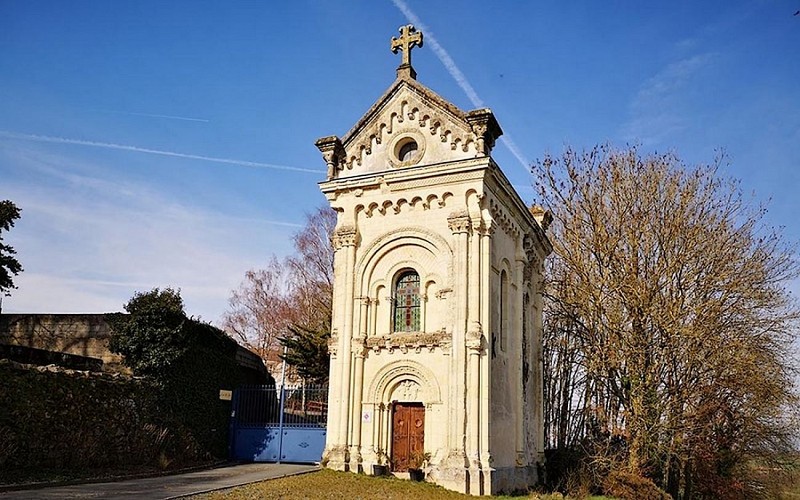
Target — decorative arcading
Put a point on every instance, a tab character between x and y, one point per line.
415	111
502	219
388	207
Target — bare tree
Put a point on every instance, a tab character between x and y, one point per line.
259	308
289	293
669	323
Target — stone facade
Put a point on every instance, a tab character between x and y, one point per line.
437	297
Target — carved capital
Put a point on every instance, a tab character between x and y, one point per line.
333	344
477	225
359	346
486	129
459	222
333	153
475	339
345	236
488	228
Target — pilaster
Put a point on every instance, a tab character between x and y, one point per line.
517	353
460	226
485	366
346	238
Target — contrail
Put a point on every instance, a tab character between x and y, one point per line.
457	75
153	115
137	149
442	54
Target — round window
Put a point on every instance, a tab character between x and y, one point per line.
407	150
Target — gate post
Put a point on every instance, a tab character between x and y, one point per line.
283	402
232	424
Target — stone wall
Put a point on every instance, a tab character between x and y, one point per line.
81	334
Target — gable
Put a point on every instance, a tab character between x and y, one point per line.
409	126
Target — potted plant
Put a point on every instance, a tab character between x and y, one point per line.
416	463
381	468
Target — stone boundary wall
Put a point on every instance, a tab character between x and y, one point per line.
80	334
84	335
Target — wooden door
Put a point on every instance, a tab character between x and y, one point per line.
408	433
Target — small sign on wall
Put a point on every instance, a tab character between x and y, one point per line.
367	416
225	395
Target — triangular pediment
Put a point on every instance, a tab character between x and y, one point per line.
409	126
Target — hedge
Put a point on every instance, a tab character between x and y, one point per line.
66	419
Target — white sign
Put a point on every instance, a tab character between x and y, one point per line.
225	395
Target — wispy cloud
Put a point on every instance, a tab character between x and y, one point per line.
137	149
656	108
457	75
88	241
155	115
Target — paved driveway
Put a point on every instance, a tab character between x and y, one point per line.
159	488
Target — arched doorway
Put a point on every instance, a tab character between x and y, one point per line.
408	435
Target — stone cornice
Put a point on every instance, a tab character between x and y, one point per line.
436	174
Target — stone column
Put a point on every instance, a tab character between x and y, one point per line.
475	345
485	371
346	238
474	336
360	349
459	224
334	453
538	280
516	348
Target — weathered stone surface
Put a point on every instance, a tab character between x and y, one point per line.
81	334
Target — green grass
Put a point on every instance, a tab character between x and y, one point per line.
328	484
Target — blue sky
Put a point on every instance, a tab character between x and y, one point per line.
172	143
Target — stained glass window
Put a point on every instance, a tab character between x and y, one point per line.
406	302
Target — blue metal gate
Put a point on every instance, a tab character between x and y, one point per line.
286	424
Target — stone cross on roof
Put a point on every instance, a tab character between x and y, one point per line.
409	38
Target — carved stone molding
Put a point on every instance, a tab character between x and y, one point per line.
442	294
486	130
345	236
475	338
333	153
413	341
503	220
459	222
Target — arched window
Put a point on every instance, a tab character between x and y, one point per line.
406	302
503	309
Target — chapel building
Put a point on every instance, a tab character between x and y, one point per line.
437	309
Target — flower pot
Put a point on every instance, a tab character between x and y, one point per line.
380	470
416	474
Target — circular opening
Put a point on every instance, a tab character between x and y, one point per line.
408	150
